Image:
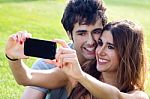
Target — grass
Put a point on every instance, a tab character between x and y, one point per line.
42	19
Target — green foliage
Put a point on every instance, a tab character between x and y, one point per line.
42	19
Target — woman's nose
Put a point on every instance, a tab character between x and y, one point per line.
101	50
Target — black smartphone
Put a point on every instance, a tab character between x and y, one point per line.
40	48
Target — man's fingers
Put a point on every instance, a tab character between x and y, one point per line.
52	62
13	37
65	52
22	35
62	43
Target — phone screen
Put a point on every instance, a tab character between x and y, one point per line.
40	48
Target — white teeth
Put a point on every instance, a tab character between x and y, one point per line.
102	60
91	49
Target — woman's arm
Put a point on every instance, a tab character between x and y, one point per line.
105	91
97	88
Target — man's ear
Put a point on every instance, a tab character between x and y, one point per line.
69	35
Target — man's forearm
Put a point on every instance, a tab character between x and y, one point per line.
20	71
27	77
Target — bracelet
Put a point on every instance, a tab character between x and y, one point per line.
10	58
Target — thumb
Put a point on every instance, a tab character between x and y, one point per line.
61	42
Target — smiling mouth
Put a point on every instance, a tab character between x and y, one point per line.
90	50
102	61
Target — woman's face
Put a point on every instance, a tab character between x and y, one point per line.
106	54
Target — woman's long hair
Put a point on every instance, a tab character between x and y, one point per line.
129	42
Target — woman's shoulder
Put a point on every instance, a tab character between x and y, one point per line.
139	94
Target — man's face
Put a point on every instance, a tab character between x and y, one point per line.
85	39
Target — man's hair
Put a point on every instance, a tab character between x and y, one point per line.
83	11
129	43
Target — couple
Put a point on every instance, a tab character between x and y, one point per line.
118	72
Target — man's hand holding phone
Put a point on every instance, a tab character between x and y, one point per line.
21	45
15	45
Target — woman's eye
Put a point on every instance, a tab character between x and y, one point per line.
97	32
100	43
111	47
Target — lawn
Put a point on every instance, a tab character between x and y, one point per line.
42	19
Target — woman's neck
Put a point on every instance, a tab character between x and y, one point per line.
109	78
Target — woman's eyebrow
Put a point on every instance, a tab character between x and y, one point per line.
110	44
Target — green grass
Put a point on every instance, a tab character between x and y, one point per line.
42	19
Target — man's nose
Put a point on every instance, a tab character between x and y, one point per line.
91	40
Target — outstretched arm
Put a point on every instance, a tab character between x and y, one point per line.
34	92
52	78
105	91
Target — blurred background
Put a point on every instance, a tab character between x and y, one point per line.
42	19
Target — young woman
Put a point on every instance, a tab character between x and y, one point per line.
120	67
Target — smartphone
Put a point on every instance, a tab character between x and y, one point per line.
40	48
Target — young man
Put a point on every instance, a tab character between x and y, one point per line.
83	21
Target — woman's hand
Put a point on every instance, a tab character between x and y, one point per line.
15	45
66	59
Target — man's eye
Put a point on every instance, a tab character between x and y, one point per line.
82	33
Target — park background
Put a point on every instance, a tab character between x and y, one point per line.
42	19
